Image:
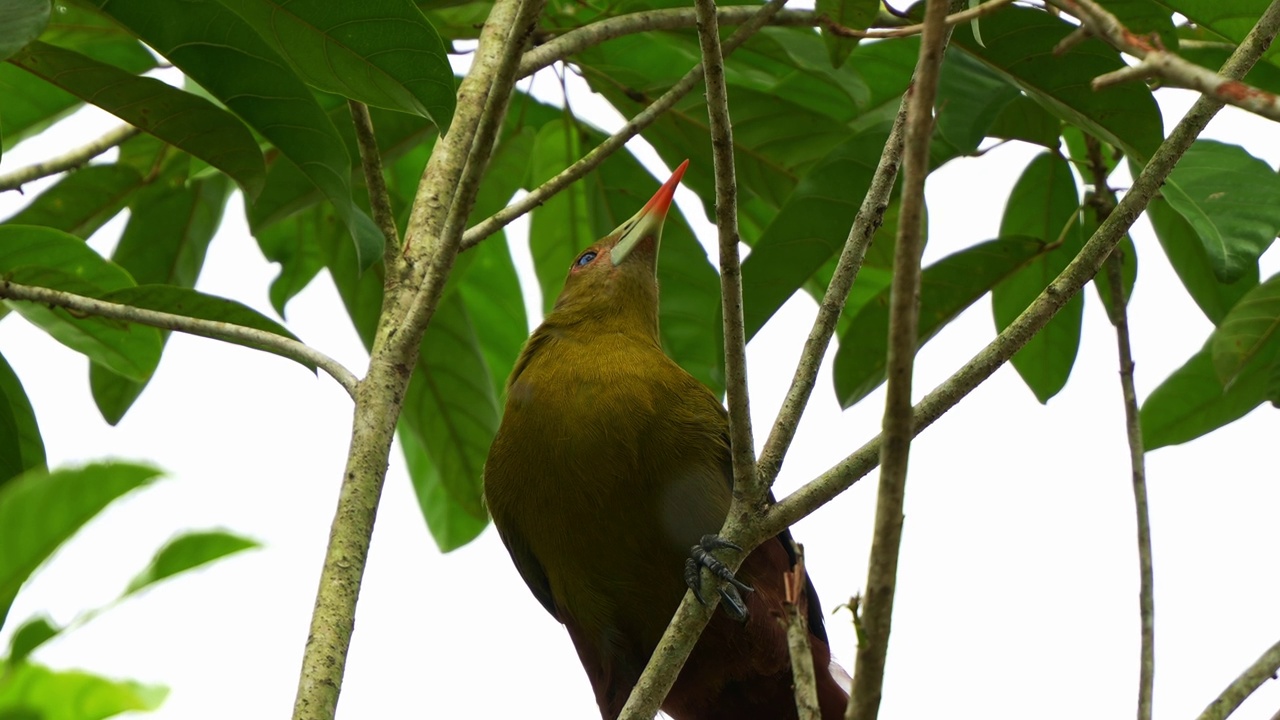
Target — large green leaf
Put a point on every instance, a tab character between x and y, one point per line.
850	14
561	226
1146	18
170	226
21	447
183	119
48	258
32	691
217	49
1247	331
1019	46
1229	20
21	21
1229	197
1190	261
380	52
39	510
452	524
946	288
1025	119
1044	204
970	97
1192	402
82	201
810	229
188	551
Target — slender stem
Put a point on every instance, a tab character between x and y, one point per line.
1262	670
1155	61
798	646
868	220
228	332
71	159
1103	202
963	16
822	489
735	341
904	312
613	143
371	163
413	285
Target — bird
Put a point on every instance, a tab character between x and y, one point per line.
609	464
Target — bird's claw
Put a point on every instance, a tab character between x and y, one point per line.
700	557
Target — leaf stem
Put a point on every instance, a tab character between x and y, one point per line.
73	158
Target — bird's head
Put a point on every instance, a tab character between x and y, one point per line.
616	277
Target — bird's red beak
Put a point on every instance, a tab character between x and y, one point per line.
648	222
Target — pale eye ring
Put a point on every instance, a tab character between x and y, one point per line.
585	258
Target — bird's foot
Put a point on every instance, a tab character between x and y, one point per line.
700	557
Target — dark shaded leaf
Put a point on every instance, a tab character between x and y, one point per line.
21	447
1025	119
452	524
30	635
1249	329
1190	261
856	14
83	200
946	288
182	119
970	97
380	52
21	21
1045	205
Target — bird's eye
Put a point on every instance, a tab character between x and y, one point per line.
585	258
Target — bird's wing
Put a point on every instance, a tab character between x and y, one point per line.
531	570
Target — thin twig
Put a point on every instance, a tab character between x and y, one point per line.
1086	264
414	282
1262	670
68	160
868	220
371	163
904	313
228	332
1155	61
735	355
802	672
613	143
1103	202
963	16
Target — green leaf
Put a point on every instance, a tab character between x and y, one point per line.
1025	119
380	52
946	288
1273	382
21	21
83	200
1145	18
810	229
21	447
452	525
561	226
47	258
30	635
1246	331
1192	402
1190	260
970	97
187	552
217	49
34	691
292	243
857	14
1044	204
1019	46
182	119
1128	267
451	404
1228	196
490	289
170	226
1230	20
39	511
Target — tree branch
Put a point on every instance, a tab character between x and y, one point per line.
414	283
1103	200
802	672
591	160
904	311
745	482
865	223
72	159
1085	265
1262	670
371	163
227	332
1160	63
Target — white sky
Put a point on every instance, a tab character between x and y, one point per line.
1018	578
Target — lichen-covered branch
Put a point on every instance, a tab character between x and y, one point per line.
371	164
1156	62
904	312
228	332
798	646
73	158
1262	670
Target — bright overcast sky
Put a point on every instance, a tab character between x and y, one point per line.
1018	578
